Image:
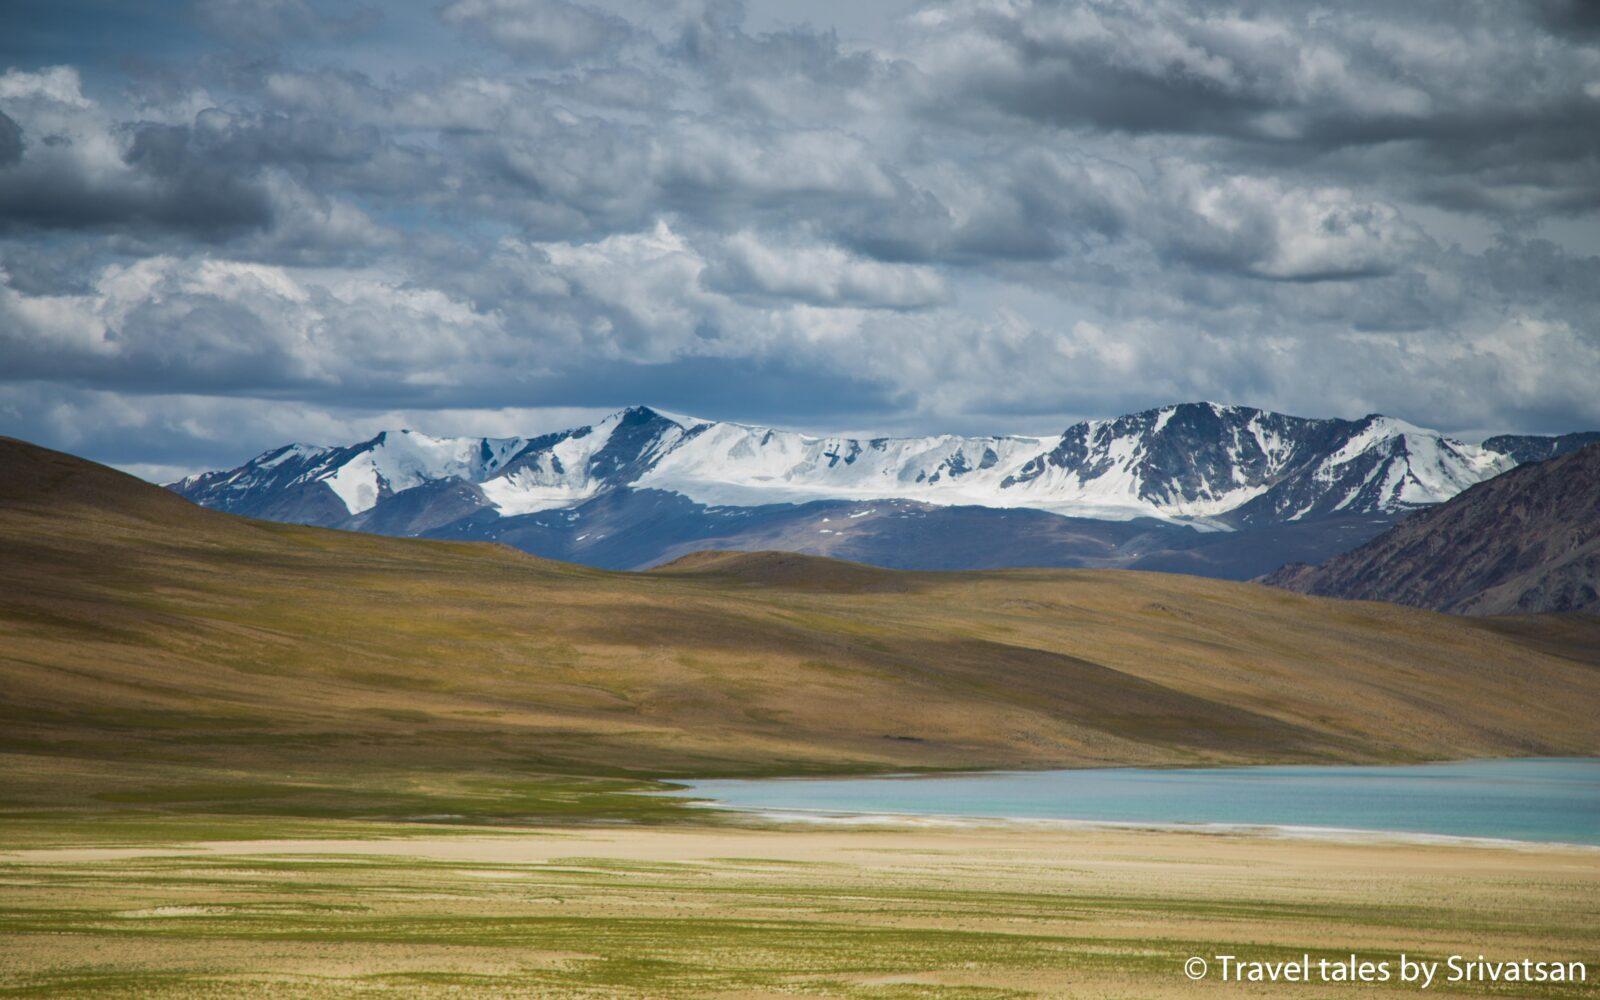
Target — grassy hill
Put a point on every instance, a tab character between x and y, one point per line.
155	652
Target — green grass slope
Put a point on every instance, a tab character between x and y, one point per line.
151	651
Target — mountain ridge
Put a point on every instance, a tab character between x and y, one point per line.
1203	467
1125	467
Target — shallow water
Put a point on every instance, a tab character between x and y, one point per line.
1543	800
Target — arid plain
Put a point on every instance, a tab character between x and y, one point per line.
728	912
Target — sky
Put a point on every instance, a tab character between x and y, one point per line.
230	224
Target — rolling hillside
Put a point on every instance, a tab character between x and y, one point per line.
138	628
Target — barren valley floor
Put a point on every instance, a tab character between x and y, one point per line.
346	908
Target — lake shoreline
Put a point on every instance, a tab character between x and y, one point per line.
1500	802
866	821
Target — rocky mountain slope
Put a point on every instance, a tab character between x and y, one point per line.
1175	472
1536	448
1523	542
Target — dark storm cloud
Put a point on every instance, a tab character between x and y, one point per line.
306	211
1483	94
79	170
268	186
189	187
208	204
10	141
1569	15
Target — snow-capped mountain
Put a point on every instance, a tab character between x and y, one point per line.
313	484
644	485
1220	466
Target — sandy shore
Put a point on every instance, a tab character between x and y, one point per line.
874	838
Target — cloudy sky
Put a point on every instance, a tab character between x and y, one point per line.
226	224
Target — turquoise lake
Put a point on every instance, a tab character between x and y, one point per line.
1541	800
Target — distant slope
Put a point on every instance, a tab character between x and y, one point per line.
1525	541
636	529
138	629
1538	448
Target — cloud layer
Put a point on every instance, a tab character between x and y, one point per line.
994	214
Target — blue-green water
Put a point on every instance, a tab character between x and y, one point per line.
1544	800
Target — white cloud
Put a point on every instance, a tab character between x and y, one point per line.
1263	227
825	275
192	322
55	84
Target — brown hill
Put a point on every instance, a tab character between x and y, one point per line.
792	571
1525	541
140	630
34	478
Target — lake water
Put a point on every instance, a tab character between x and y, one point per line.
1543	800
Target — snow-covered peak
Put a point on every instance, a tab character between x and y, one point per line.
681	419
289	453
1205	461
395	461
1403	465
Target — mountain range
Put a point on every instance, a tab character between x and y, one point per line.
1205	488
260	666
1527	541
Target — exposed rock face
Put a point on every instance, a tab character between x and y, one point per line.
1526	541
